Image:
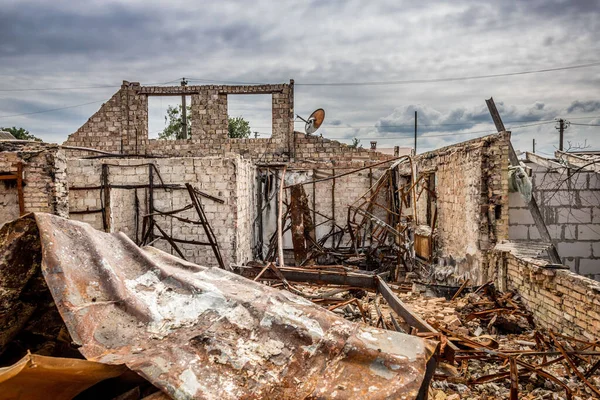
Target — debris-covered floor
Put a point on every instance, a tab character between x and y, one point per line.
500	353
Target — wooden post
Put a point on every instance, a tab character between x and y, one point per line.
20	188
333	208
184	123
314	203
151	201
259	207
415	132
279	221
106	196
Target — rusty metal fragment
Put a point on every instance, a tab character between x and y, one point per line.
37	377
197	332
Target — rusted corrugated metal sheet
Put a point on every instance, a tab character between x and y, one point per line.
205	333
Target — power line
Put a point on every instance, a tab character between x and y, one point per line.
585	117
573	123
463	78
410	136
412	125
53	109
79	87
59	88
374	83
225	81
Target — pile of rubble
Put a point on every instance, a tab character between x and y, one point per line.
500	352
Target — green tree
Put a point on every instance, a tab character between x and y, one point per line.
174	122
21	134
355	143
238	127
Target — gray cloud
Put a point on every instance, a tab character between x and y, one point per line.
460	118
588	106
65	43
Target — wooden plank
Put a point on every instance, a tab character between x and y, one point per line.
410	317
328	277
532	205
105	193
495	115
423	246
210	235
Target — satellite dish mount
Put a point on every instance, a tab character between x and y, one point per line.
314	121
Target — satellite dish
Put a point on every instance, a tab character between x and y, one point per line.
314	121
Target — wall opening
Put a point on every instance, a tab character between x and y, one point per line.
256	110
165	117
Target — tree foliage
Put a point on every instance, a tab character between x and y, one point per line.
238	126
174	121
21	133
355	144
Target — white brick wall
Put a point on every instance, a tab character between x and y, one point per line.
571	210
229	178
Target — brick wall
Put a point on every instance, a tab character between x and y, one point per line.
560	300
121	126
44	179
230	179
570	205
471	197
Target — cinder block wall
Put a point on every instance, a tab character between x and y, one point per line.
570	206
44	179
560	300
472	205
228	178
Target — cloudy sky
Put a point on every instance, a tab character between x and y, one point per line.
66	44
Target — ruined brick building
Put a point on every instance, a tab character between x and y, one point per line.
136	185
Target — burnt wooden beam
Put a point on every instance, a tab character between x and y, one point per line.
322	277
410	317
532	205
20	188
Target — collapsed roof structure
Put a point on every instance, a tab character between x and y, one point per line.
350	229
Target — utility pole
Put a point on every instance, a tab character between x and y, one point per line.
534	146
562	125
183	112
562	133
415	132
